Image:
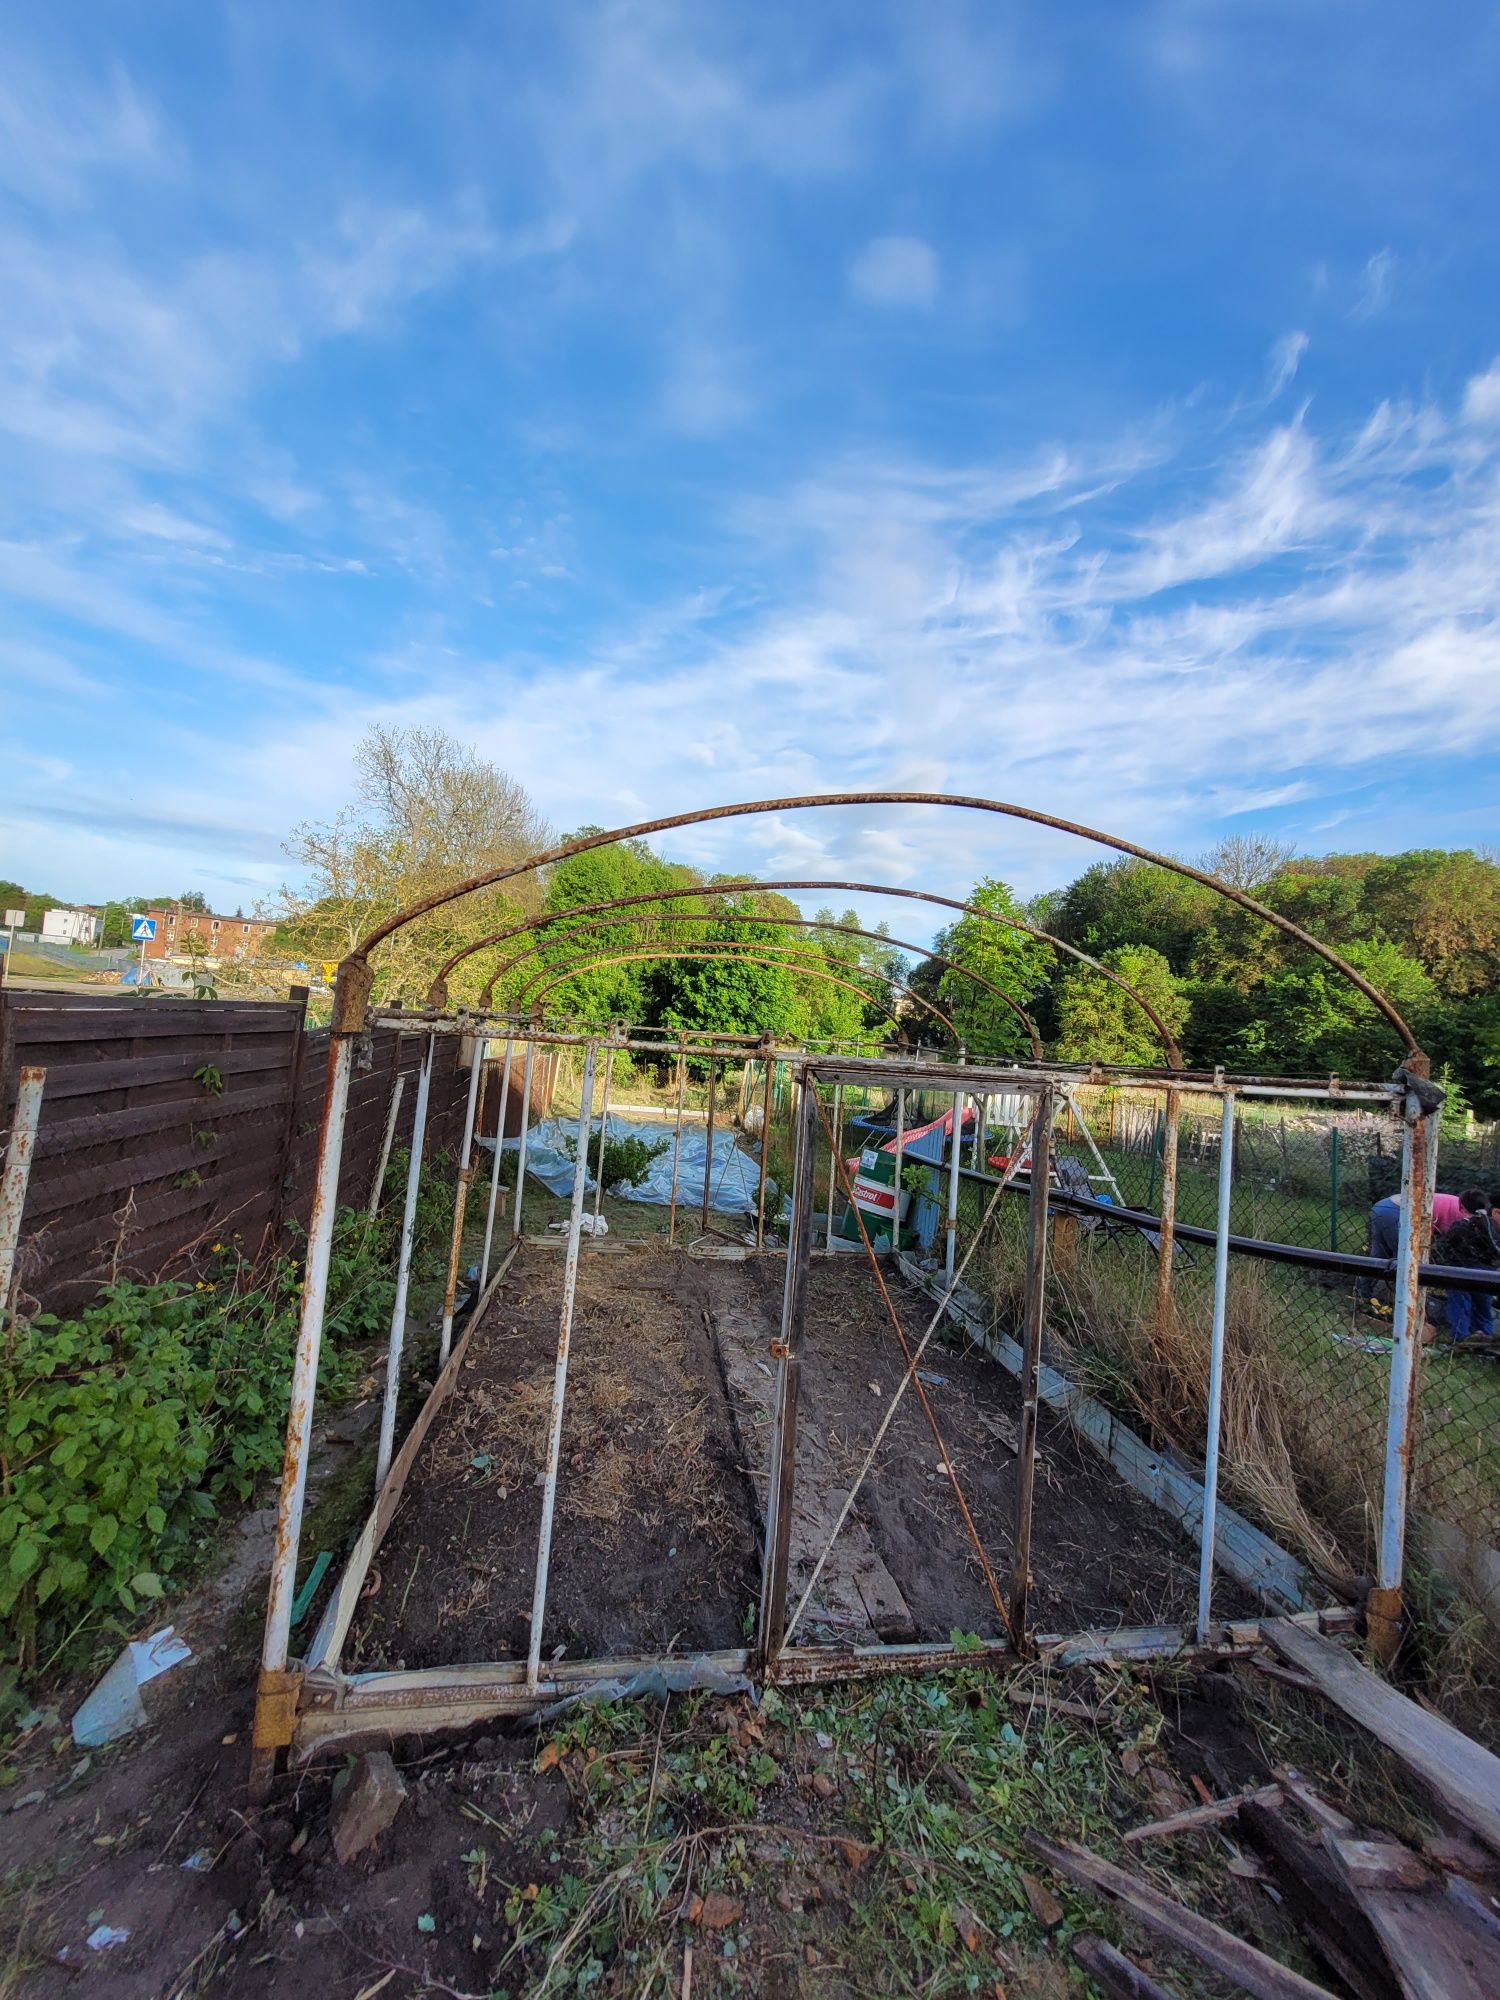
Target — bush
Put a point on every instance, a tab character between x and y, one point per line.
626	1161
122	1429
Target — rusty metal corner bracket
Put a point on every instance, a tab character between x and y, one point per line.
276	1693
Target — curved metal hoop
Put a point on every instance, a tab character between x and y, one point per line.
437	993
799	923
725	948
354	977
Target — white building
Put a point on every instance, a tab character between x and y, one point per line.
71	926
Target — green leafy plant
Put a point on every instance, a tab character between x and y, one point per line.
625	1162
211	1077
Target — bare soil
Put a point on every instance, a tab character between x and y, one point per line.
654	1542
659	1520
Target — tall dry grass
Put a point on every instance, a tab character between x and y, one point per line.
1287	1459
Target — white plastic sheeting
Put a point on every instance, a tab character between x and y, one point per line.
734	1179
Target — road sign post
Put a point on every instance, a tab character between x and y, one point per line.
142	931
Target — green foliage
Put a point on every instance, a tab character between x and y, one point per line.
1099	1021
626	1161
211	1077
1016	963
122	1430
1308	1016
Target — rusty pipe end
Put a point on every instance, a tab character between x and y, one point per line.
351	995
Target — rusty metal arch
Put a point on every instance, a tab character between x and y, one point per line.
726	948
798	923
355	978
437	993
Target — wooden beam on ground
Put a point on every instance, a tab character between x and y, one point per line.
1254	1971
1115	1975
1442	1938
1205	1815
1319	1903
1459	1771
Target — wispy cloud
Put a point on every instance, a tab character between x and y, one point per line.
1285	359
1376	283
898	271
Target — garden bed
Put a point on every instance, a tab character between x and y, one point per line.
664	1466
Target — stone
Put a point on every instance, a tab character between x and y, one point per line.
366	1805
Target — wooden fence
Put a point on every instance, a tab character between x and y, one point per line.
168	1124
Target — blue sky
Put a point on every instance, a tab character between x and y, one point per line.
1093	406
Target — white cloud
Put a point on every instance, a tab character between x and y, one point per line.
1482	396
56	133
896	271
1285	359
1376	283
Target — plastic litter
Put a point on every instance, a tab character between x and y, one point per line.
200	1861
115	1706
309	1589
588	1225
656	1682
104	1936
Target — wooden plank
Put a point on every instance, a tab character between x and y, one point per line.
1250	1969
110	1024
1461	1772
1113	1973
90	1129
1327	1915
1442	1941
1211	1814
134	1073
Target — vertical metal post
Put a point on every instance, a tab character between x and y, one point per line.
898	1155
1216	1369
560	1373
17	1175
609	1070
275	1694
515	1224
1031	1357
833	1162
1383	1610
1333	1189
489	1218
389	1138
950	1243
676	1148
981	1132
708	1165
461	1197
779	1498
403	1271
767	1113
1166	1236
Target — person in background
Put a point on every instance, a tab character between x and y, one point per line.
1385	1226
1472	1245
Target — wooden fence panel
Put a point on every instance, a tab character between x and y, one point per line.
168	1124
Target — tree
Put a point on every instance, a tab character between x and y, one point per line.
1007	958
1098	1022
1128	902
1310	1021
427	813
1247	861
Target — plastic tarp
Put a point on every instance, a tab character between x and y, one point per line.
734	1179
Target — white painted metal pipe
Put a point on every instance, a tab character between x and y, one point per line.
899	1154
609	1070
397	1340
833	1164
489	1218
289	1504
1216	1369
461	1199
560	1375
950	1245
515	1224
14	1181
387	1141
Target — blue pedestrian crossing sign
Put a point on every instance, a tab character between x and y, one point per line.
142	930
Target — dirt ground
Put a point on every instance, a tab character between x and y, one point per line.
654	1545
657	1536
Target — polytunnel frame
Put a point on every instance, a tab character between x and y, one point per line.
451	1696
438	991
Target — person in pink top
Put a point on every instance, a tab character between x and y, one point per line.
1385	1226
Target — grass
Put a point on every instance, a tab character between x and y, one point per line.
860	1840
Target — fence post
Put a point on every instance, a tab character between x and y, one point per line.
17	1174
1031	1357
1383	1610
1333	1191
777	1554
298	997
1166	1236
1216	1369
